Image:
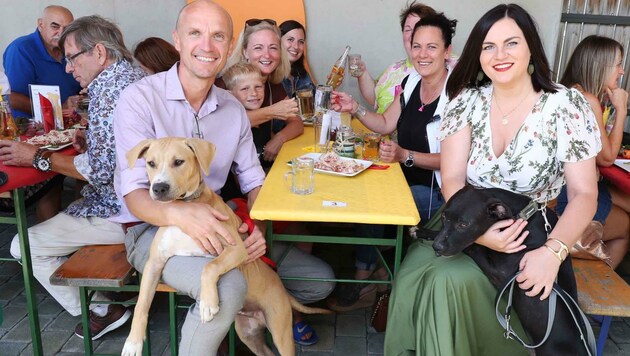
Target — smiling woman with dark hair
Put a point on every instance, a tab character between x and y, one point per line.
294	41
507	126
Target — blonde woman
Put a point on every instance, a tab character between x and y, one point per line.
276	121
594	69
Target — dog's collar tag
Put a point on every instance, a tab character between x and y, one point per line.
528	211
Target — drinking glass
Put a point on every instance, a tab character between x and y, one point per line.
354	64
322	133
306	104
322	98
371	141
302	172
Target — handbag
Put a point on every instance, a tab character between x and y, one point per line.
379	311
591	246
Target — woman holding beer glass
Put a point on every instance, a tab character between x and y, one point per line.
415	112
260	44
294	40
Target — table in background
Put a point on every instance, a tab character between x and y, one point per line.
371	197
18	178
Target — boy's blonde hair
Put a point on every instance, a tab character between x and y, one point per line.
238	71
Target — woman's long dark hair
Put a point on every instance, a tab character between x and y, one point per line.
465	73
297	67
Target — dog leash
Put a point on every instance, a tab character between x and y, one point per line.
504	319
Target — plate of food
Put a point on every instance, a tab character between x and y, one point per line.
331	163
623	164
53	139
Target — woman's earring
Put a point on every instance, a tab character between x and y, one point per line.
480	76
530	68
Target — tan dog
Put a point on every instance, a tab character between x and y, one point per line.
176	168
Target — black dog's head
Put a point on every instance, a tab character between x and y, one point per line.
467	215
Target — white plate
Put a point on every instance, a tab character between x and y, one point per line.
58	147
315	157
623	164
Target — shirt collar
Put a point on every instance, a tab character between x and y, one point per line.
174	91
42	48
108	73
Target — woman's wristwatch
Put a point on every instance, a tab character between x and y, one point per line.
41	160
410	160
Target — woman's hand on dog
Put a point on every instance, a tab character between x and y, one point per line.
255	243
505	236
539	269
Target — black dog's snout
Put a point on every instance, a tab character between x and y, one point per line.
438	247
159	189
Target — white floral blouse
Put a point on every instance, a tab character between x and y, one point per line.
560	128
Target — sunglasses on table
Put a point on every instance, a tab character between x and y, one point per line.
254	22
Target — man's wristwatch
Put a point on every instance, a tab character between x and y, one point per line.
409	161
41	160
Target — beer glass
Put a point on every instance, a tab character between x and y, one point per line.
306	104
354	64
302	172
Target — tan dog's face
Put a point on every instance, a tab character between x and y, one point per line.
175	166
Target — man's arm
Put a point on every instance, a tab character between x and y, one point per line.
13	153
197	220
20	102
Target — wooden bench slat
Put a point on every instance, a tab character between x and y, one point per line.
600	289
95	266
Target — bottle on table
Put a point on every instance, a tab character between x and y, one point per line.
8	128
336	74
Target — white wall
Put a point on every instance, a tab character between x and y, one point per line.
371	27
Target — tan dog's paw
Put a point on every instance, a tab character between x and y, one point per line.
207	312
132	348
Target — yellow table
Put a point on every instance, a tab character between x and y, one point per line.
371	197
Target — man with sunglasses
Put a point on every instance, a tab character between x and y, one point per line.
184	102
97	58
37	59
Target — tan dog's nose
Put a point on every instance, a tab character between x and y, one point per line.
160	190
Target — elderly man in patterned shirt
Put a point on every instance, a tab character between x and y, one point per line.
98	59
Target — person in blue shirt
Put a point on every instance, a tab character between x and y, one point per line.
37	59
294	41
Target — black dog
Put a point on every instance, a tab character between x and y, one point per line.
467	215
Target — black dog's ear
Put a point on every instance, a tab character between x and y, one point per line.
499	211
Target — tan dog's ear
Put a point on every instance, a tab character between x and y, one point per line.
138	151
204	151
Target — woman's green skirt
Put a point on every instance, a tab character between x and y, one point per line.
444	306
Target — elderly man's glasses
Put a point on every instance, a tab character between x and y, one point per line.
70	59
254	22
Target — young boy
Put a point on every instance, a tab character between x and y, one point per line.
246	83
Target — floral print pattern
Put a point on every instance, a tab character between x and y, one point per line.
560	128
97	164
388	81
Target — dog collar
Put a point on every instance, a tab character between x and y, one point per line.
528	211
197	192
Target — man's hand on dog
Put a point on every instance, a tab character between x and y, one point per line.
255	243
539	269
505	236
202	222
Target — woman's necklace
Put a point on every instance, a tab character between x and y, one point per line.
505	117
424	103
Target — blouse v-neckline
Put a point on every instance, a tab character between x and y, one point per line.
513	139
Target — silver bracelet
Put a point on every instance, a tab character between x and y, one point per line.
360	112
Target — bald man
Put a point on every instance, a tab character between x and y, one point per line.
37	59
183	102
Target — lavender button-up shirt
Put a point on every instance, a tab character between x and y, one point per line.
155	107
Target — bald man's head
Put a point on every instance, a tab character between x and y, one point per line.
205	5
54	20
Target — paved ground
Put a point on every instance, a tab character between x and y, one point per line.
342	334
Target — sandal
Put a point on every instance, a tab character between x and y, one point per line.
349	296
301	329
